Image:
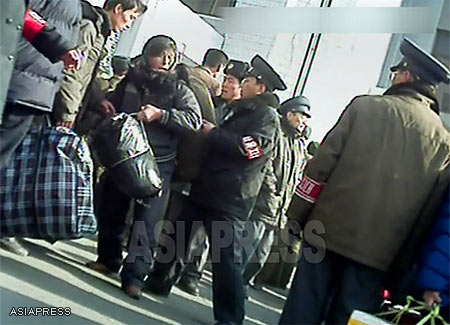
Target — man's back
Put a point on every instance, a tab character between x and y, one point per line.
395	148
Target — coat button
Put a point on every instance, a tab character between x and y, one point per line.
19	27
10	57
9	20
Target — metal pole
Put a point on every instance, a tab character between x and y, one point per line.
314	52
305	57
311	56
302	67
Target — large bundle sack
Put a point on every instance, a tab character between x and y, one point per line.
46	191
121	145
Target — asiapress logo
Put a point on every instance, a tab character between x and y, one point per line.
40	311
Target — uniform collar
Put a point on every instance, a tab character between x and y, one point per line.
418	90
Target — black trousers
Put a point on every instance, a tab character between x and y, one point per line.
262	243
329	290
18	120
198	252
113	210
199	246
225	233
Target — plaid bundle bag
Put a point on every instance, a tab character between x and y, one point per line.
47	190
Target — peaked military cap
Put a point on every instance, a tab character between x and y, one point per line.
237	69
298	104
263	71
421	63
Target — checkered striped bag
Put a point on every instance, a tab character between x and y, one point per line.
47	190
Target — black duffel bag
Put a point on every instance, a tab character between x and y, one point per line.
121	145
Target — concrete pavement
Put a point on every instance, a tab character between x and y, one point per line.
56	276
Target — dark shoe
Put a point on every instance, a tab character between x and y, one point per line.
99	267
189	285
132	291
12	245
156	286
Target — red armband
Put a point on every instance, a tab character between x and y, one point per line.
252	148
33	25
309	190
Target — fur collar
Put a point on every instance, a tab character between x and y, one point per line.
151	82
264	100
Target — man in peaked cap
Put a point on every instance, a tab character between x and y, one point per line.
423	66
224	194
282	175
370	194
296	113
265	75
234	72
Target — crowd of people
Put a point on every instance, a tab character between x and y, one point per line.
243	187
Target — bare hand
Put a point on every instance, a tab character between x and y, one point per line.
65	124
107	108
149	114
72	60
430	298
207	127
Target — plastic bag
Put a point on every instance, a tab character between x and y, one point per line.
122	147
362	318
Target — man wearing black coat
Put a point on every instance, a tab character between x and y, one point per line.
235	71
225	192
35	43
50	29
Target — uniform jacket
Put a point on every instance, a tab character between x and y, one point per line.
239	150
434	265
36	77
95	27
181	113
283	173
375	169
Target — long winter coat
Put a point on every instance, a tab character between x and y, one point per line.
376	168
36	78
281	178
239	150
